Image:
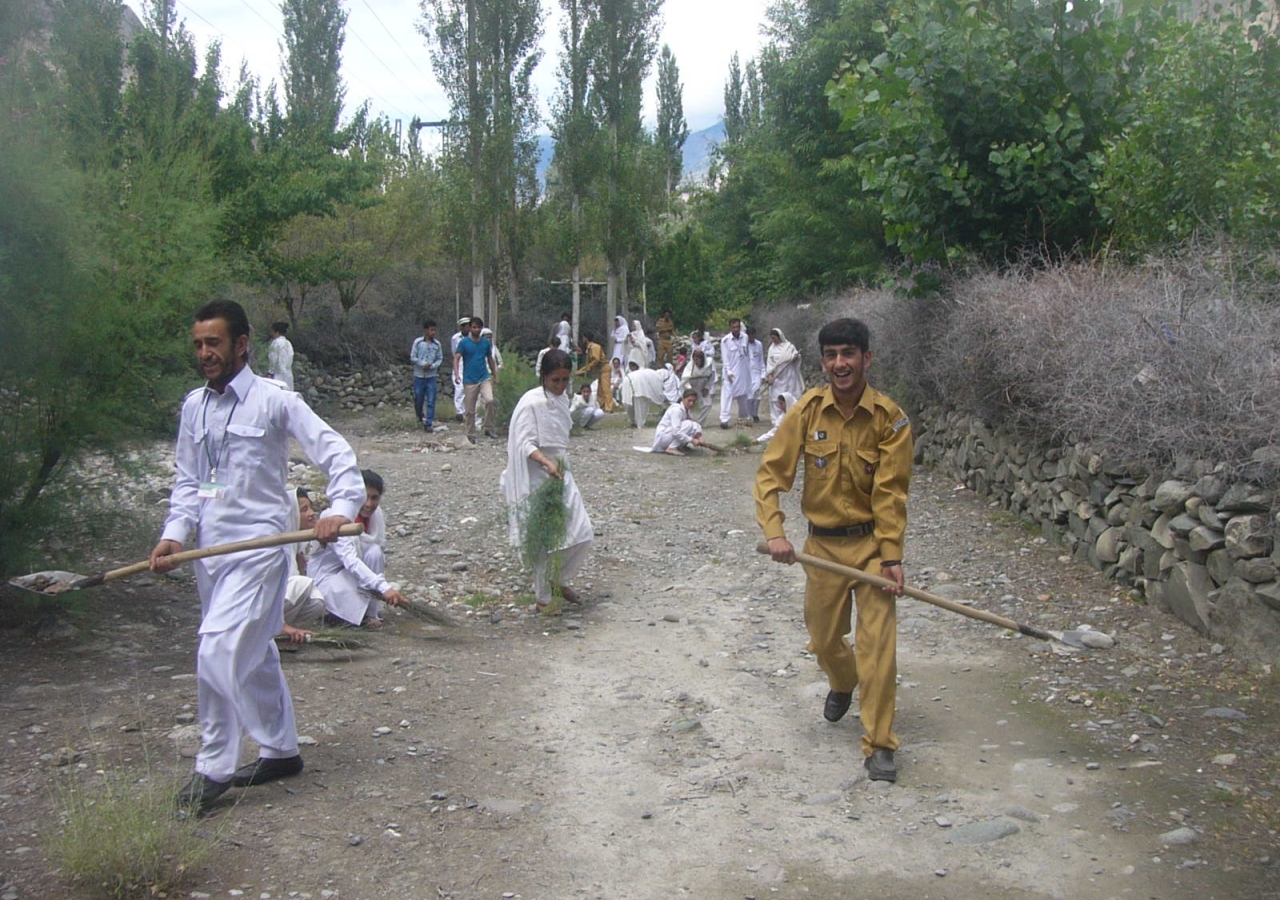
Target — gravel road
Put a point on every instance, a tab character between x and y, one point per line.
666	739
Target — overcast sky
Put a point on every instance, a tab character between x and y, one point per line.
385	60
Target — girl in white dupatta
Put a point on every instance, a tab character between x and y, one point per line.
619	334
537	446
782	371
700	375
639	347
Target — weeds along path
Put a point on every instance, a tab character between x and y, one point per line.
666	740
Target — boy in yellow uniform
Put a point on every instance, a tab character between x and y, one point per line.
857	451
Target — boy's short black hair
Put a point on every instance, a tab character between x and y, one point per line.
845	331
373	480
429	323
476	320
280	327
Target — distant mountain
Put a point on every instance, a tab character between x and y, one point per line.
698	150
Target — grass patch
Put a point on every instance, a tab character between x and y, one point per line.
123	838
476	601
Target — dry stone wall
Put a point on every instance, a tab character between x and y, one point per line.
1193	541
357	389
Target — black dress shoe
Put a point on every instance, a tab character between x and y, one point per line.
200	792
880	765
265	770
837	705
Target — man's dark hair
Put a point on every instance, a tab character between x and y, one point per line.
229	311
476	320
429	323
735	319
698	333
372	479
554	361
280	328
566	315
845	331
586	338
667	313
751	329
302	494
688	392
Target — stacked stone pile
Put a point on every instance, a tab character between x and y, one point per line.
1193	541
355	389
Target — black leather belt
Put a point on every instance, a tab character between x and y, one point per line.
862	528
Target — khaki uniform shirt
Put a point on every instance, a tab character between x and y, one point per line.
666	328
855	470
596	364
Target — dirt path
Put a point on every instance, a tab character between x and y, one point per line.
667	740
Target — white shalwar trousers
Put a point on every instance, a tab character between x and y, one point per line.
639	410
240	686
726	405
571	560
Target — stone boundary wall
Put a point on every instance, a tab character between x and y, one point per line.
1193	542
357	389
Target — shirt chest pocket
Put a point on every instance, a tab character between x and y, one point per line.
251	432
821	459
866	464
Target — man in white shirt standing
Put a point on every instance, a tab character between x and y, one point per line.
736	384
459	396
232	461
280	355
755	365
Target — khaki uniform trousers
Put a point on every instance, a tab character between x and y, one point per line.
664	350
871	664
605	390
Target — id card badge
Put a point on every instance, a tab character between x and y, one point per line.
212	490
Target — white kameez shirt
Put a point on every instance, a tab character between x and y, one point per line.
237	443
280	360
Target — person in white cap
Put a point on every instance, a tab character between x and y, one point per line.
463	324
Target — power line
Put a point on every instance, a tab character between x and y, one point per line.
358	82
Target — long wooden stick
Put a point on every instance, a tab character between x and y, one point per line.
950	605
274	540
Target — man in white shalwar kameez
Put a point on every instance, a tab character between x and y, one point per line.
564	333
350	573
640	387
782	371
538	449
459	394
678	429
280	355
232	462
736	381
755	365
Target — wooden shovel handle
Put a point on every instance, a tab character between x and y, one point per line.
274	540
950	605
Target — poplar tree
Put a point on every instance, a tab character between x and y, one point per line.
621	48
672	130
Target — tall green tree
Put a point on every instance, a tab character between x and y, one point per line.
484	55
575	166
622	41
672	129
314	32
977	126
1200	156
734	121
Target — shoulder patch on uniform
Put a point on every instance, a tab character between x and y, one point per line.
901	424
